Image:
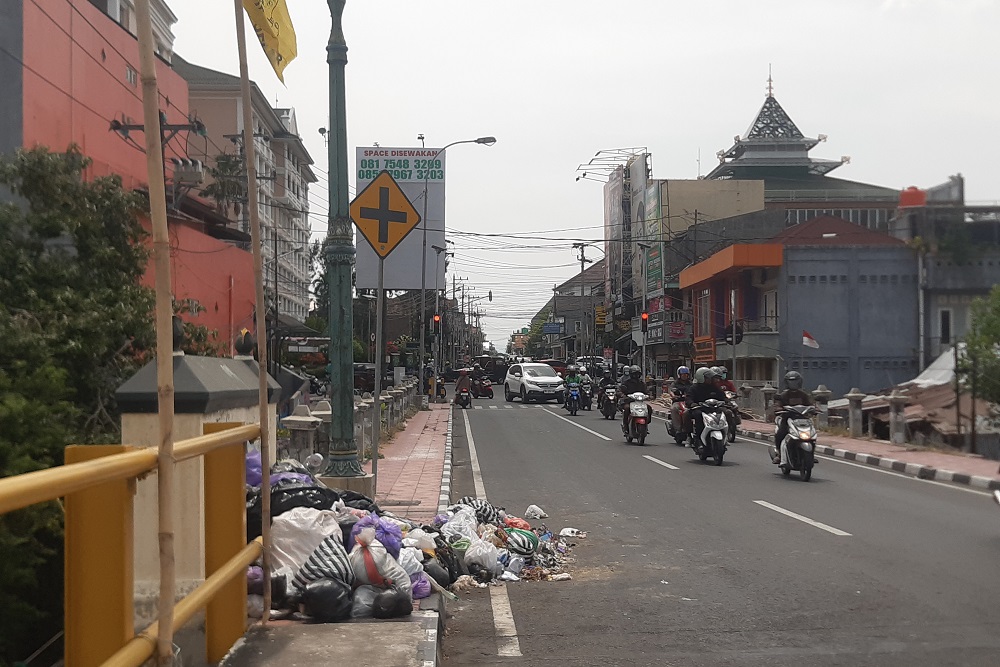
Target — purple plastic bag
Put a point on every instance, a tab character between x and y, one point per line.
255	580
292	476
421	586
255	474
440	520
386	532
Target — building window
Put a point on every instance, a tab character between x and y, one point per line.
131	76
944	325
704	313
576	326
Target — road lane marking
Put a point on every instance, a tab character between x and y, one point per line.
864	466
508	407
508	645
659	462
570	421
803	519
494	407
478	407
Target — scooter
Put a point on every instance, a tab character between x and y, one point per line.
442	392
680	437
714	431
798	449
464	398
587	395
573	398
609	403
637	426
482	388
734	410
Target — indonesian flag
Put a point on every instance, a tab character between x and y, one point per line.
808	340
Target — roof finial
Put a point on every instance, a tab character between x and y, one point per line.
770	82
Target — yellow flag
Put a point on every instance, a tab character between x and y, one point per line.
274	29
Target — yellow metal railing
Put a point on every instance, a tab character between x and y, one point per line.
98	484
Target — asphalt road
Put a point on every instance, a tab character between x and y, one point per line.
692	564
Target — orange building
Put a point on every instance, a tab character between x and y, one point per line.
69	70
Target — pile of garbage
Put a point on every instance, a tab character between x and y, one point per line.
336	555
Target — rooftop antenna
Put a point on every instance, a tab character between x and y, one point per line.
770	82
699	162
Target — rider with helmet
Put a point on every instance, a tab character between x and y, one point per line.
678	390
731	410
463	382
721	375
792	395
630	385
704	388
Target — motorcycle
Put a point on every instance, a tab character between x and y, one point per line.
587	396
317	387
464	398
482	388
609	403
734	410
573	398
679	436
637	426
798	449
714	431
442	392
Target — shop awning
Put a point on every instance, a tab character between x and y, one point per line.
734	258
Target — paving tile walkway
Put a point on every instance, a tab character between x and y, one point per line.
409	475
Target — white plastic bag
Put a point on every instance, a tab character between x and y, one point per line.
410	560
463	524
482	553
535	512
295	536
420	539
373	565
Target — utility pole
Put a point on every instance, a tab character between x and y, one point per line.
583	295
644	247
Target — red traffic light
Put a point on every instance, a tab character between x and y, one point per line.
437	318
644	320
645	316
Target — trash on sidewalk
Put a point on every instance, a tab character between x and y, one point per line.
338	556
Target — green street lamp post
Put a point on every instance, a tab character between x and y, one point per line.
342	452
486	141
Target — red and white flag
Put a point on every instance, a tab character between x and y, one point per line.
808	340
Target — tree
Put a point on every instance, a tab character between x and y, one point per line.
229	183
76	323
198	339
981	362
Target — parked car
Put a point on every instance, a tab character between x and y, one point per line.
533	382
364	378
494	367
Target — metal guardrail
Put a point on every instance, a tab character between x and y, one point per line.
98	483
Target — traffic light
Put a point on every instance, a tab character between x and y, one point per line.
437	323
644	320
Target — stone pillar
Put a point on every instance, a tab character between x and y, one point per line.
854	415
822	397
303	427
897	418
769	393
384	408
362	412
744	395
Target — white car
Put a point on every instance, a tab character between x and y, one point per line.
533	382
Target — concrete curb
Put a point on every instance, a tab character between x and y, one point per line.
444	498
913	469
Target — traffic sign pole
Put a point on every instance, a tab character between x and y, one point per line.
379	360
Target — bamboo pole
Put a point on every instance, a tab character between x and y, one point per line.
258	272
164	329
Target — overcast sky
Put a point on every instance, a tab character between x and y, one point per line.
907	88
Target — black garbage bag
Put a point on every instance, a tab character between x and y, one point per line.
286	495
327	600
358	501
392	603
448	560
480	573
347	527
435	571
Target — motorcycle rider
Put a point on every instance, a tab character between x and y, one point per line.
606	381
572	375
679	389
463	382
586	381
732	411
792	395
630	385
703	389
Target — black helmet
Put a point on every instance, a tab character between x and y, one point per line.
634	371
793	380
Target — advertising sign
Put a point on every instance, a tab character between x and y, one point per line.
654	269
552	328
411	168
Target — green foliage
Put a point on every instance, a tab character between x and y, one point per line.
360	353
198	339
229	184
75	323
981	362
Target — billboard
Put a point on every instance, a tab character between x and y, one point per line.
411	168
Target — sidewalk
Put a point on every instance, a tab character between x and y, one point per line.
933	464
412	478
